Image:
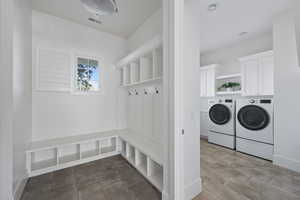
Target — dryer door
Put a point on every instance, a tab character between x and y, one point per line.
253	117
219	114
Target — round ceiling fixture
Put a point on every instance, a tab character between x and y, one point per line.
212	7
100	7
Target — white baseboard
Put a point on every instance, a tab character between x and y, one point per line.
286	162
164	195
193	189
19	189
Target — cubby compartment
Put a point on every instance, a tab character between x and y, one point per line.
146	65
123	148
89	149
130	155
135	72
141	162
155	173
158	63
122	76
127	75
68	153
108	145
43	159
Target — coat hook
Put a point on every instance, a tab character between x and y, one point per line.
136	92
145	91
156	90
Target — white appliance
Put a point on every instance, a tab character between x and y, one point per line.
221	127
254	127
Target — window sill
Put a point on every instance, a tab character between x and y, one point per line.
90	93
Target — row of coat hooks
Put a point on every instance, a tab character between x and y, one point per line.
145	91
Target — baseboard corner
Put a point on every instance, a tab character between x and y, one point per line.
20	189
285	162
193	189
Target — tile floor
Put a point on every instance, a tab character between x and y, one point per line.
226	175
229	175
107	179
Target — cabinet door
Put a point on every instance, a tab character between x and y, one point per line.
203	83
250	78
266	75
210	82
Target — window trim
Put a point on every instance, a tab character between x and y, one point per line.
75	91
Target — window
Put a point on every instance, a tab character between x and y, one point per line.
87	75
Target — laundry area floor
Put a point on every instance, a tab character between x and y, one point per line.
106	179
229	175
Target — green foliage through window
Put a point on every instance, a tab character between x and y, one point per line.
87	75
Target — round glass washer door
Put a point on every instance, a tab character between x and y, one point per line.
253	117
219	114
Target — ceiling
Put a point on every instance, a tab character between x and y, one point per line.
222	27
132	13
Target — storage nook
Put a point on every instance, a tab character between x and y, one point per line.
143	65
51	155
140	142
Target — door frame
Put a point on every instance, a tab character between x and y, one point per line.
173	15
6	105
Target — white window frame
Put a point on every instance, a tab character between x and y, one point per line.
75	91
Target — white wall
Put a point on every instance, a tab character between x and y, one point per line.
64	114
6	105
191	99
147	31
228	56
287	97
22	92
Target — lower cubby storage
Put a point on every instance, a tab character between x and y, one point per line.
123	147
47	156
43	159
108	145
149	168
130	155
155	173
68	153
90	149
141	162
55	154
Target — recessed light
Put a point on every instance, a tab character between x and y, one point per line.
212	7
243	33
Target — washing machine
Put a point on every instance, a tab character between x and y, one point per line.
254	127
221	126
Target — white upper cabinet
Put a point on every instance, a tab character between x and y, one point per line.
207	81
257	74
266	80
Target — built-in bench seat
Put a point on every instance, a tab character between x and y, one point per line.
55	154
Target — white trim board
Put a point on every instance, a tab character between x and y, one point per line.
20	189
193	189
285	162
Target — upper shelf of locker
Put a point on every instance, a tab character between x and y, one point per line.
148	47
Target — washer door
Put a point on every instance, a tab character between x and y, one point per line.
253	117
219	114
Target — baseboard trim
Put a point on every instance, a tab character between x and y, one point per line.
203	137
193	189
19	189
286	162
165	195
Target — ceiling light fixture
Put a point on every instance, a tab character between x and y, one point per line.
212	7
100	7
